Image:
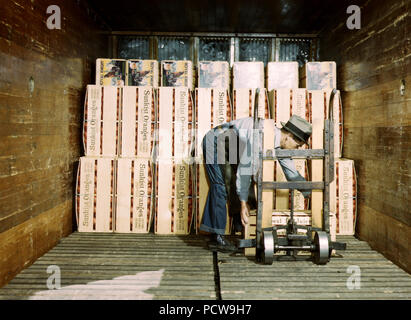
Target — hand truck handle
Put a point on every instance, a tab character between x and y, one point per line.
331	104
256	98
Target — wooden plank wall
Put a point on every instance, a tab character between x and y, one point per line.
40	133
371	64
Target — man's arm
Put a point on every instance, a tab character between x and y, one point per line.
244	173
292	174
245	212
245	166
244	169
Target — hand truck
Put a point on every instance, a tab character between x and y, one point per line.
315	240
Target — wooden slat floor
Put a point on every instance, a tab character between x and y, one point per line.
123	266
120	266
242	278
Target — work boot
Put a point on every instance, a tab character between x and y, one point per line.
218	242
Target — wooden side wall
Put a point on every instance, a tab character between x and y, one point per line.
40	133
372	62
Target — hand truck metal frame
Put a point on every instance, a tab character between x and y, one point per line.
316	240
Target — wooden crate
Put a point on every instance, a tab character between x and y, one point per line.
177	73
244	100
101	124
204	114
213	108
282	75
174	197
95	208
175	123
248	75
138	122
343	196
142	73
111	72
287	102
214	74
134	195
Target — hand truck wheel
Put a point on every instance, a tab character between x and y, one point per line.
267	253
321	254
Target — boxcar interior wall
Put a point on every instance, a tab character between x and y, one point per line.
42	85
374	64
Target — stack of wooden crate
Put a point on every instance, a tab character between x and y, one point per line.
320	78
174	188
114	184
121	186
143	154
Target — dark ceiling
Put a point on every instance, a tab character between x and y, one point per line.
231	16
